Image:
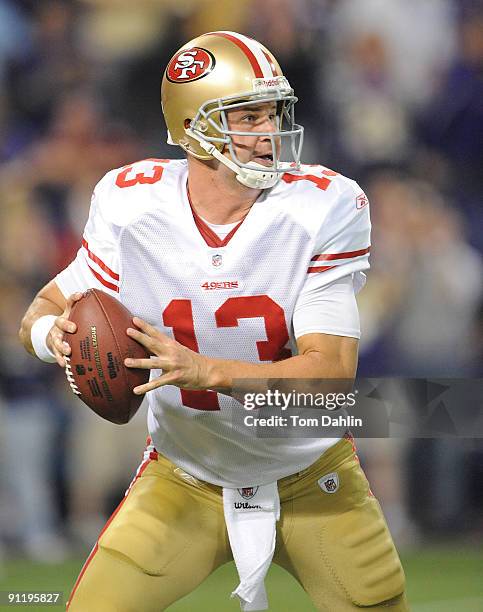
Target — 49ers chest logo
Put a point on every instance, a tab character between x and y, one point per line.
190	65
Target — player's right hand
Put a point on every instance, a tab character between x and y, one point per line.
55	337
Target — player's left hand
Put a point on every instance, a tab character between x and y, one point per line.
181	366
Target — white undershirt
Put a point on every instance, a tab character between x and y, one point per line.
221	231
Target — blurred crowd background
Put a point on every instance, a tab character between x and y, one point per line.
390	93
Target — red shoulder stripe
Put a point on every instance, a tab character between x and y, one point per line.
103	280
347	255
99	262
320	269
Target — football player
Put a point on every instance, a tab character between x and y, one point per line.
240	263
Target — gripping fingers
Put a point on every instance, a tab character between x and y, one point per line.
75	297
60	349
165	379
59	346
62	322
149	330
143	364
65	325
143	339
62	326
145	327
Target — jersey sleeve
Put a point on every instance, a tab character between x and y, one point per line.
97	262
326	302
343	241
329	309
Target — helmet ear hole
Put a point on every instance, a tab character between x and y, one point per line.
187	123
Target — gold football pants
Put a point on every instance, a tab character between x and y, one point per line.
168	535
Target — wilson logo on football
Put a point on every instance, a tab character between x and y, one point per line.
189	65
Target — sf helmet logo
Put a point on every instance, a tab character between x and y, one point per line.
189	65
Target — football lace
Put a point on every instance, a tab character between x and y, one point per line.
70	377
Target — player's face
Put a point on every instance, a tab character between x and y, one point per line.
254	118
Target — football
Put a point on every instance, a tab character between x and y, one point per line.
95	369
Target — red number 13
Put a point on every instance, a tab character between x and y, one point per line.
179	315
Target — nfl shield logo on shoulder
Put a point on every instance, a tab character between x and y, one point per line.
329	483
248	492
216	260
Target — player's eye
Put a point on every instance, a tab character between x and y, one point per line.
251	118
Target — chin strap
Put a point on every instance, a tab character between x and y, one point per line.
257	178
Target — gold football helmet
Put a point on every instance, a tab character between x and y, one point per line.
218	72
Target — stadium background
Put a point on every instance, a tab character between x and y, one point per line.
390	94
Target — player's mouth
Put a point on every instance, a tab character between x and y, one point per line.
265	160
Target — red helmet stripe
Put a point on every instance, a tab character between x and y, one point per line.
250	55
270	61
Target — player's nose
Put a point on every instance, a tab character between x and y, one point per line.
267	126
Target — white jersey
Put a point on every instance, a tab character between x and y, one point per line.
231	299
